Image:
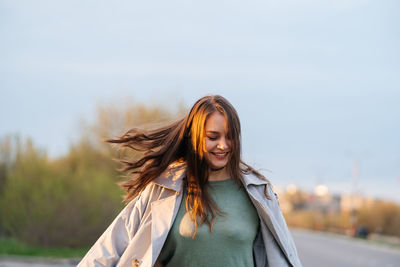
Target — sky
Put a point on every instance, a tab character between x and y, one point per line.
316	83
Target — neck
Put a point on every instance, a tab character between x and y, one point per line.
218	174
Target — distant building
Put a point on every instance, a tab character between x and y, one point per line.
354	202
320	200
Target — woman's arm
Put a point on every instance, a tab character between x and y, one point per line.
112	243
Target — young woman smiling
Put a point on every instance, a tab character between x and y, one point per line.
192	201
217	146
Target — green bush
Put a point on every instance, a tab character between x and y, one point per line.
381	217
68	202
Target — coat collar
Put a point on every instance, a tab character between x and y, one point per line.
252	179
172	177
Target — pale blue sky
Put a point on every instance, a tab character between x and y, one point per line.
316	83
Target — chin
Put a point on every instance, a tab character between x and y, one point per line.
218	166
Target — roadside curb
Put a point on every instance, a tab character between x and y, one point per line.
38	260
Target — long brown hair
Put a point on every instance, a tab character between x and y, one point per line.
184	140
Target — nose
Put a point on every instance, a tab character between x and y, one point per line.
222	144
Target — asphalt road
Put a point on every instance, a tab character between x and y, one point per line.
320	249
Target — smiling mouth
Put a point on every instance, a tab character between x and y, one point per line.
220	155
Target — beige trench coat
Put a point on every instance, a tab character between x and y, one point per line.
137	235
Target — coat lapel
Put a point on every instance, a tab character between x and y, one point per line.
163	213
255	188
164	210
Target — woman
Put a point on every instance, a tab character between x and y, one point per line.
192	201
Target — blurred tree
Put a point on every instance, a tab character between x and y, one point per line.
381	217
7	159
18	195
68	201
113	120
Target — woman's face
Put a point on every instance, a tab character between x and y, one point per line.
216	145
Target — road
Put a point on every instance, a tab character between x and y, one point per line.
12	261
328	250
315	250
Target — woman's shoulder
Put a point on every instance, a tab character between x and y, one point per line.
160	188
172	177
260	183
255	178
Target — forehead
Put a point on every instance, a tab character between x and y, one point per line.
216	122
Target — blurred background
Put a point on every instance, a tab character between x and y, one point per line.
316	85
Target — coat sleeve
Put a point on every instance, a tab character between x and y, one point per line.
289	242
112	243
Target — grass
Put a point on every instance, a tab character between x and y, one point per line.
10	246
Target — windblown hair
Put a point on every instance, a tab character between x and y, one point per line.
183	140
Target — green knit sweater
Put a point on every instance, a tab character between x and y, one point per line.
229	244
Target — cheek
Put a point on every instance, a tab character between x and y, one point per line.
230	144
208	145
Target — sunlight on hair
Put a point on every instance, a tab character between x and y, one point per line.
186	227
